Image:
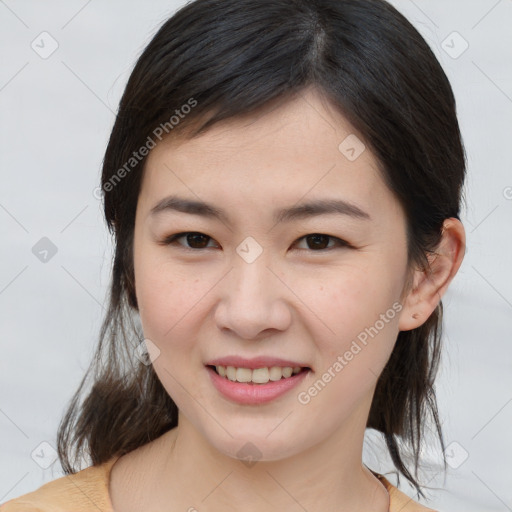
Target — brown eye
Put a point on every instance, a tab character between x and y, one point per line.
197	240
194	240
319	242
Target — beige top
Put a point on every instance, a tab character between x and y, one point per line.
88	491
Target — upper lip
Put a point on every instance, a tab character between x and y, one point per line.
256	362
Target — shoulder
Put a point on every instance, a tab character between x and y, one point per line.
83	491
400	502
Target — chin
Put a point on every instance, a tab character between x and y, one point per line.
257	446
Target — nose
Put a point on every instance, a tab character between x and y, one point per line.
253	300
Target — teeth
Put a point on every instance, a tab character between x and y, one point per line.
243	375
287	372
258	375
275	373
231	373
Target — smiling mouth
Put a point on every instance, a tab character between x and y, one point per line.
258	375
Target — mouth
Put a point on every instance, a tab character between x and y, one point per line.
257	376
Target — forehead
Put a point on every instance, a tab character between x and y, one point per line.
301	147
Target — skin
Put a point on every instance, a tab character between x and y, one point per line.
294	301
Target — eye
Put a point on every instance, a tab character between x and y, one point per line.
196	241
319	242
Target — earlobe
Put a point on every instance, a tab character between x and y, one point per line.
429	285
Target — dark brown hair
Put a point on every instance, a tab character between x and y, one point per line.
230	58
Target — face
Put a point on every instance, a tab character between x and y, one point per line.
245	284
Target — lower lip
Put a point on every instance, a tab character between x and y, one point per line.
253	394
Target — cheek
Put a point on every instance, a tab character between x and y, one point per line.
168	296
363	316
361	308
166	306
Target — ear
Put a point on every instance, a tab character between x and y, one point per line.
429	285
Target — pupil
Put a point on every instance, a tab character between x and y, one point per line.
191	238
318	241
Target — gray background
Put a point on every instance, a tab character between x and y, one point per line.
56	115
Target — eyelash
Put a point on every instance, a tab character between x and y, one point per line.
172	240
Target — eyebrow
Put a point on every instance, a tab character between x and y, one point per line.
296	212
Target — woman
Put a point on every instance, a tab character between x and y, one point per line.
283	181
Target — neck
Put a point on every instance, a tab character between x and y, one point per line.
328	477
